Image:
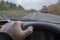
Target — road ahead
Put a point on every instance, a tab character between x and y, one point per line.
43	16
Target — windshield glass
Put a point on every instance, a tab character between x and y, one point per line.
45	10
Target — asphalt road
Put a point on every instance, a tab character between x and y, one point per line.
43	17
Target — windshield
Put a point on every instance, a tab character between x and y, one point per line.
44	10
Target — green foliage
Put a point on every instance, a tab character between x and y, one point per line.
20	7
8	9
55	8
9	6
15	13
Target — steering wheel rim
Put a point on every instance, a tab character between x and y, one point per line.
43	26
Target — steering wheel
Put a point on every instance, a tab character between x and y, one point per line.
43	31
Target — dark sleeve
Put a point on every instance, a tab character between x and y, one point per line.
5	36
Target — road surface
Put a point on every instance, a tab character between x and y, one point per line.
43	17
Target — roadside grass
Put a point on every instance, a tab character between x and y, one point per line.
15	13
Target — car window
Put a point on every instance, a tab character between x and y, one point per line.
46	10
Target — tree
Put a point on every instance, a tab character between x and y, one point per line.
20	7
9	6
55	8
2	3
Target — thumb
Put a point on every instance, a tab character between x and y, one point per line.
28	31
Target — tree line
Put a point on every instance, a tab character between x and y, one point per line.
5	5
55	8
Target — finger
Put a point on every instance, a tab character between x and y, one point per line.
28	31
18	24
7	26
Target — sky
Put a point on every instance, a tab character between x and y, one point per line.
33	4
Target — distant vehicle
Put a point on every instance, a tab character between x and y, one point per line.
45	10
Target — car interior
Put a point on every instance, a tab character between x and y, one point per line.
41	31
43	15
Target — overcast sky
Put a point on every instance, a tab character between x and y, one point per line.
33	4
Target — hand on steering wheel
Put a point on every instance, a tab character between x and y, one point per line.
13	28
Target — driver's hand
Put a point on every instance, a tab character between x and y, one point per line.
15	31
